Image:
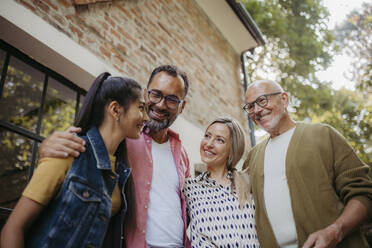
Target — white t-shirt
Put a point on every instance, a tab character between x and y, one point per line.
276	191
164	220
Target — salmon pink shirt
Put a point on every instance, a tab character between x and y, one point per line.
140	159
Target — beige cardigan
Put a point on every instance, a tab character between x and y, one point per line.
323	173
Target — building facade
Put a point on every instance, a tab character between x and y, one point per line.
51	50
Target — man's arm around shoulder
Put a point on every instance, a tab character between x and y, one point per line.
62	144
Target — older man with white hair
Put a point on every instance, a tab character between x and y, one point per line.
309	186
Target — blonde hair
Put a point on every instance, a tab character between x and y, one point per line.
237	137
240	180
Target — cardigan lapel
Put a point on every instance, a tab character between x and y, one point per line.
260	160
265	232
291	163
294	143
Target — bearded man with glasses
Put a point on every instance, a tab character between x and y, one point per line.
309	186
159	165
171	102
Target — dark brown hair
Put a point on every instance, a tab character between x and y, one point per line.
104	90
173	71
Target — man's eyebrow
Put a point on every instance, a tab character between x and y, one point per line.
159	91
156	90
173	96
256	99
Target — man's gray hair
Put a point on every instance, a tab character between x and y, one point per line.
267	81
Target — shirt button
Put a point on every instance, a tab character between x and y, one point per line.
145	206
143	231
148	183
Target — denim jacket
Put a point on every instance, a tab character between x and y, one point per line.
79	215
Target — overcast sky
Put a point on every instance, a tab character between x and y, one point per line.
338	11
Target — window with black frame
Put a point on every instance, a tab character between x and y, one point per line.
34	101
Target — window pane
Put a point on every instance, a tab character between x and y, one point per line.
2	59
59	108
22	95
15	160
81	100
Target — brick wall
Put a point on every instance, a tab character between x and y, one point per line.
135	36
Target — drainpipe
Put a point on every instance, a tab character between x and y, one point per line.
245	80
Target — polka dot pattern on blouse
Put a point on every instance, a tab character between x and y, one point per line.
216	219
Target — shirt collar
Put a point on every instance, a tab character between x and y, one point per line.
99	149
205	176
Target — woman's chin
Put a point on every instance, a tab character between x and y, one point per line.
209	164
205	161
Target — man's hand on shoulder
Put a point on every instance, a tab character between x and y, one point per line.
62	144
328	237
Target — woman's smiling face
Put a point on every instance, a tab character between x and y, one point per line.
216	144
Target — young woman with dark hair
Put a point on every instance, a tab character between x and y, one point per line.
81	202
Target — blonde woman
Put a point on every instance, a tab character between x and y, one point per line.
218	216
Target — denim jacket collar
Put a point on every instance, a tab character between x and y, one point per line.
99	147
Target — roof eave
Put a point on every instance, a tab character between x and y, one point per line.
247	21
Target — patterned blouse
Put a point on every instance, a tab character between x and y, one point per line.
216	219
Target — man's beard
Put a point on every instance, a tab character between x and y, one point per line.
156	125
274	121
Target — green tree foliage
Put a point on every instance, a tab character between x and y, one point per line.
298	44
297	37
353	118
354	37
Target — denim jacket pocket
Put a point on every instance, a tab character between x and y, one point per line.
81	203
84	192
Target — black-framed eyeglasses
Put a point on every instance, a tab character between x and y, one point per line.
171	101
261	101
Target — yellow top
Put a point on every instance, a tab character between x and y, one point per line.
48	179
